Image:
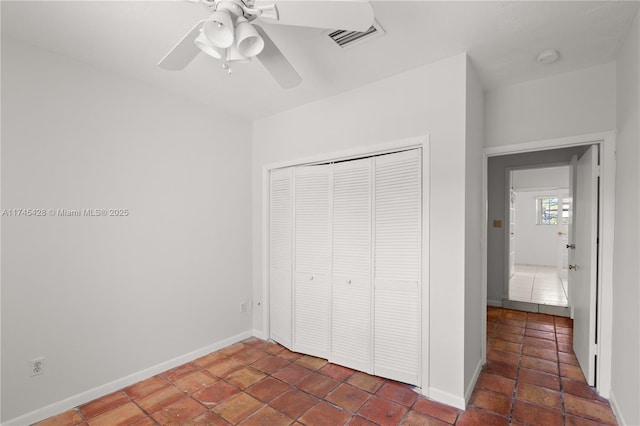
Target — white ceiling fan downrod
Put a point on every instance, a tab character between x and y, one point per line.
244	8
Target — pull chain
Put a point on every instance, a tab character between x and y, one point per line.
227	58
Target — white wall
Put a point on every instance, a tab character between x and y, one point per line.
429	99
103	298
568	104
535	244
625	383
544	177
474	311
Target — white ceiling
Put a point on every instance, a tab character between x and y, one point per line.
501	37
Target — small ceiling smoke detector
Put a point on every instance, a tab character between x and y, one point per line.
548	56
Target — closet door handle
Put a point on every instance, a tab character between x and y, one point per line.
348	281
311	278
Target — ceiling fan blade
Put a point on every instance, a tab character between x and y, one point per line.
276	63
352	15
183	52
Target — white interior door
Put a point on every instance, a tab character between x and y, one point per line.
512	233
564	202
312	260
571	229
280	255
351	326
583	258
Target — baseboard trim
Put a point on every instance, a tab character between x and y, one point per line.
559	311
259	334
616	409
472	383
497	303
520	306
446	398
102	390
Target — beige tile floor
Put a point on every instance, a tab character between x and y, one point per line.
537	284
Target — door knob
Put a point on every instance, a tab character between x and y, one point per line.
348	281
571	246
574	267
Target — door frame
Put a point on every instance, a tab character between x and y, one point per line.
606	141
422	142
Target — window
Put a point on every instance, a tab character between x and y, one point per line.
547	210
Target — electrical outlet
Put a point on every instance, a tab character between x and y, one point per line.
243	306
36	366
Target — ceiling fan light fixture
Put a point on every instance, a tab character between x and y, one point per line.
248	40
233	54
219	29
203	44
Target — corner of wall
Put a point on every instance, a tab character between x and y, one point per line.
472	383
447	398
625	339
616	409
475	282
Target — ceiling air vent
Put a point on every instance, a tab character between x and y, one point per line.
346	39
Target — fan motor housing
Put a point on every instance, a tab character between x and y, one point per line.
244	8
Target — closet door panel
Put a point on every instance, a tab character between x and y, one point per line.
312	260
397	270
312	315
281	255
397	330
351	281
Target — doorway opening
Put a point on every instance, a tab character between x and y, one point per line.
523	193
540	208
590	255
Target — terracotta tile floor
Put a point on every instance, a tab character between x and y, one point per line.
531	377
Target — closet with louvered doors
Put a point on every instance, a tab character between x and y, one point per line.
356	238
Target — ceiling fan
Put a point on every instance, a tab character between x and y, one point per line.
230	33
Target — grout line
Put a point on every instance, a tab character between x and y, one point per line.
517	378
561	384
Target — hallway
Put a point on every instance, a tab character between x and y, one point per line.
532	375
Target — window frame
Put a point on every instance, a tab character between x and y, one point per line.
549	217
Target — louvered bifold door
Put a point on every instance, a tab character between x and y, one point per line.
397	265
351	278
281	255
312	260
